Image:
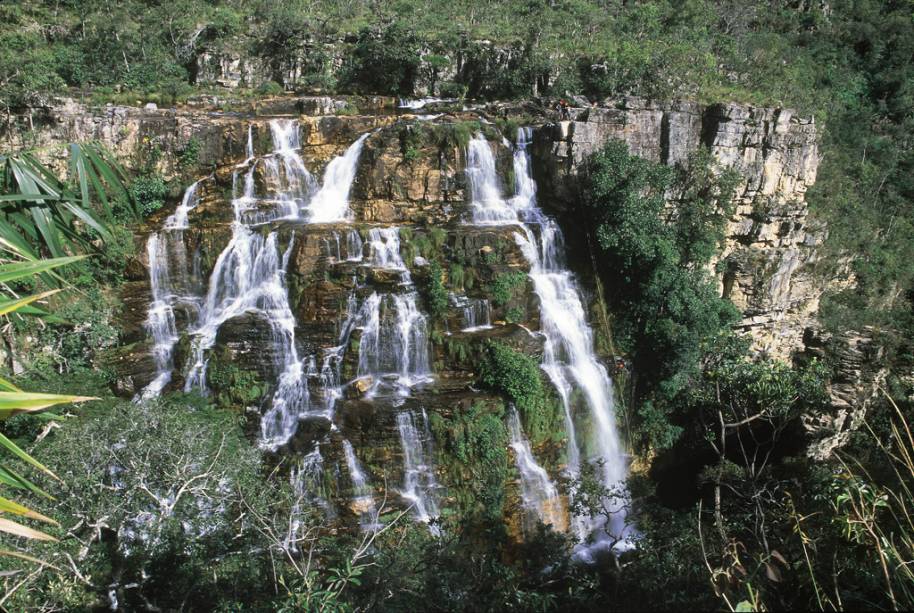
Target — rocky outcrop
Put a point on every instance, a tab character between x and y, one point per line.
218	129
767	261
859	372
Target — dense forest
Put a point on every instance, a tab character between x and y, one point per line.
692	482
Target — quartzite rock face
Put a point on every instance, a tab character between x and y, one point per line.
766	264
770	249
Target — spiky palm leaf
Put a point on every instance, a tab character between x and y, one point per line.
14	401
42	215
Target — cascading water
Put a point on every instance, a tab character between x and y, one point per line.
362	496
249	277
419	483
568	357
354	247
384	251
291	182
167	254
160	319
306	481
488	206
179	220
477	315
331	203
394	343
540	497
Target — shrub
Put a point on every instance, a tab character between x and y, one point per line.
158	493
149	192
477	442
383	62
450	89
435	292
518	377
667	304
270	88
233	386
504	286
189	156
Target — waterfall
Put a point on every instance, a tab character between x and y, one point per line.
306	481
362	496
167	254
540	498
354	246
419	483
394	342
160	318
292	183
384	251
331	203
477	315
488	207
249	277
568	357
178	220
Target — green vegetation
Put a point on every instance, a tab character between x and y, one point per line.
799	55
666	302
149	192
14	400
435	293
44	215
723	426
731	513
166	486
477	441
518	377
382	61
189	155
505	285
233	386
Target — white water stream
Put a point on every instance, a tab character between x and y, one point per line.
538	492
568	358
419	483
249	278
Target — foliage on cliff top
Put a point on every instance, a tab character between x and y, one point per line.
715	49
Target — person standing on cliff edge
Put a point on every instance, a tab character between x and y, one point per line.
563	109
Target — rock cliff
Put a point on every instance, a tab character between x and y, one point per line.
411	175
767	264
766	267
